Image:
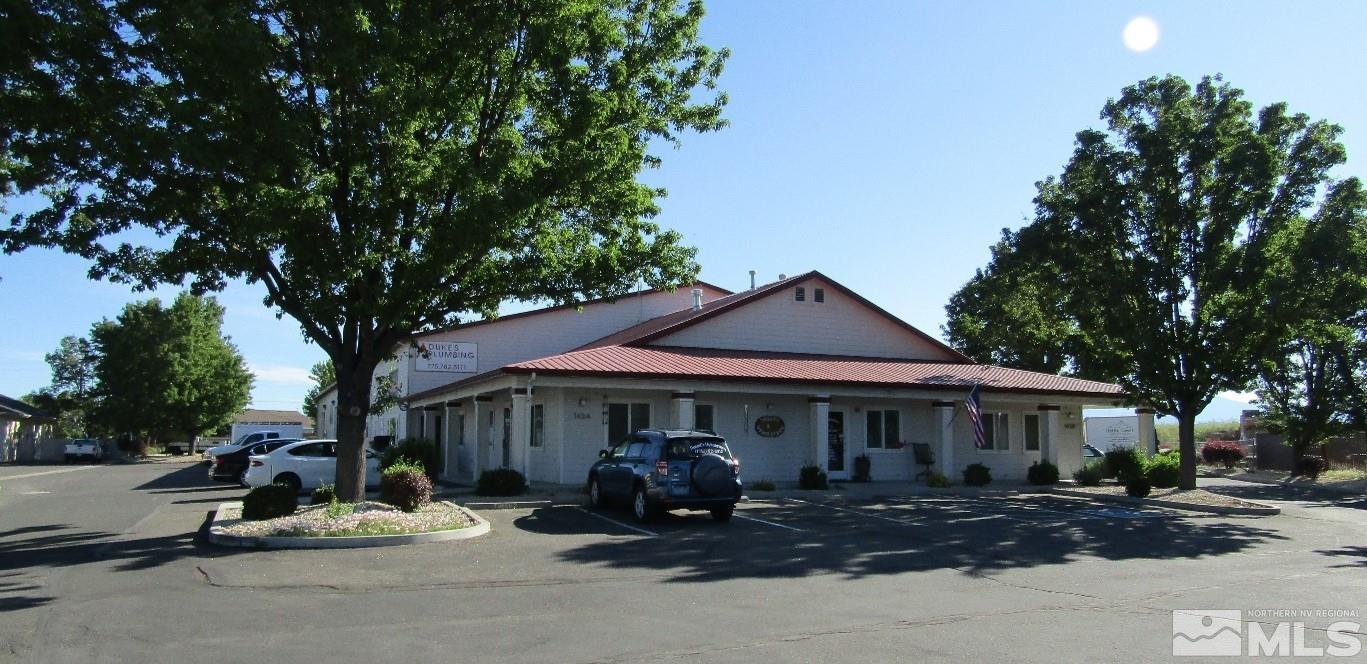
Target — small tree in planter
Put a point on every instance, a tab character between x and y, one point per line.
862	466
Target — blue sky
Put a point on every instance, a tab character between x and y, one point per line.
883	143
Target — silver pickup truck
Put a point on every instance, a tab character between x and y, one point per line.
84	448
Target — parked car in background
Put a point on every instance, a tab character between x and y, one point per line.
1090	453
245	440
304	466
232	466
656	470
87	449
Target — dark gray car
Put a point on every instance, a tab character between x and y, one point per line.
656	470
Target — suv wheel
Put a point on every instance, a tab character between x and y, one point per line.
595	493
723	514
640	505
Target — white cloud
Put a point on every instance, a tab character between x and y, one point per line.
278	374
1241	397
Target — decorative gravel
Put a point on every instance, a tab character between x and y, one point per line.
1192	496
367	518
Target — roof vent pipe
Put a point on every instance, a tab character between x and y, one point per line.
752	280
697	299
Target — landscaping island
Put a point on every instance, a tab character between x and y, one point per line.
367	524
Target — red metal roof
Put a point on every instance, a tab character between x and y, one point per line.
738	365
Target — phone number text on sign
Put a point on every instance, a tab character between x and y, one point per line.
448	356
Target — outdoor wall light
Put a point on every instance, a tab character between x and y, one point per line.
583	402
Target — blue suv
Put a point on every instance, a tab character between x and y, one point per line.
665	469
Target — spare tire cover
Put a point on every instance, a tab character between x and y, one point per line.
712	476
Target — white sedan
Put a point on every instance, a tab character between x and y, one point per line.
304	465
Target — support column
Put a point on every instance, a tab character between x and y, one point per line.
1146	441
681	410
521	431
821	430
943	422
449	439
481	435
1050	433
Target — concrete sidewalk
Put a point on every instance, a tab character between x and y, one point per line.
558	494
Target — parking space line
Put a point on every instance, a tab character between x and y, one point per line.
858	512
48	472
767	523
643	531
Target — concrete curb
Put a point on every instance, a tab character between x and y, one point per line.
1260	510
509	505
217	536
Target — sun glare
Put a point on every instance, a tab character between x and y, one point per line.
1140	34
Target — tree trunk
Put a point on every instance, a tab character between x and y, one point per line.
1186	436
353	405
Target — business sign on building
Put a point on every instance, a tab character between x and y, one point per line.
448	356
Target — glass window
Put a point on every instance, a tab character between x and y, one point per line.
619	425
704	418
1032	432
884	429
636	450
996	432
310	450
640	416
538	426
799	294
620	451
818	295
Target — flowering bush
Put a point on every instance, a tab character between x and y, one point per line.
1227	452
406	486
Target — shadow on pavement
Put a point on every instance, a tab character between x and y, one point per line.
1358	552
190	477
965	537
1256	492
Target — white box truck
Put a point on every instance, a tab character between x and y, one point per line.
285	429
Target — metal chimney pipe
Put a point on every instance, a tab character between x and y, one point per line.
752	280
697	299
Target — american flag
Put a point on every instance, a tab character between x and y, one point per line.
972	404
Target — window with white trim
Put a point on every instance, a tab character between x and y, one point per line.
884	429
1031	432
996	432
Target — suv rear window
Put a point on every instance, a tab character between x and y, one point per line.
692	448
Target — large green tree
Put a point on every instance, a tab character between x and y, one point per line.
323	375
1160	228
164	371
73	377
1310	388
381	168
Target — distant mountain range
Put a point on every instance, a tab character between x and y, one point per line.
1221	409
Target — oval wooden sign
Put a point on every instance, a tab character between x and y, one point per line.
769	426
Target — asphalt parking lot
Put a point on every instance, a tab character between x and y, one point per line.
106	564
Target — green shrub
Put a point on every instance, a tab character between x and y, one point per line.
977	474
269	502
1091	474
1042	473
1124	463
1310	466
812	477
763	485
501	482
1163	470
937	481
1138	486
323	495
405	486
337	509
415	450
